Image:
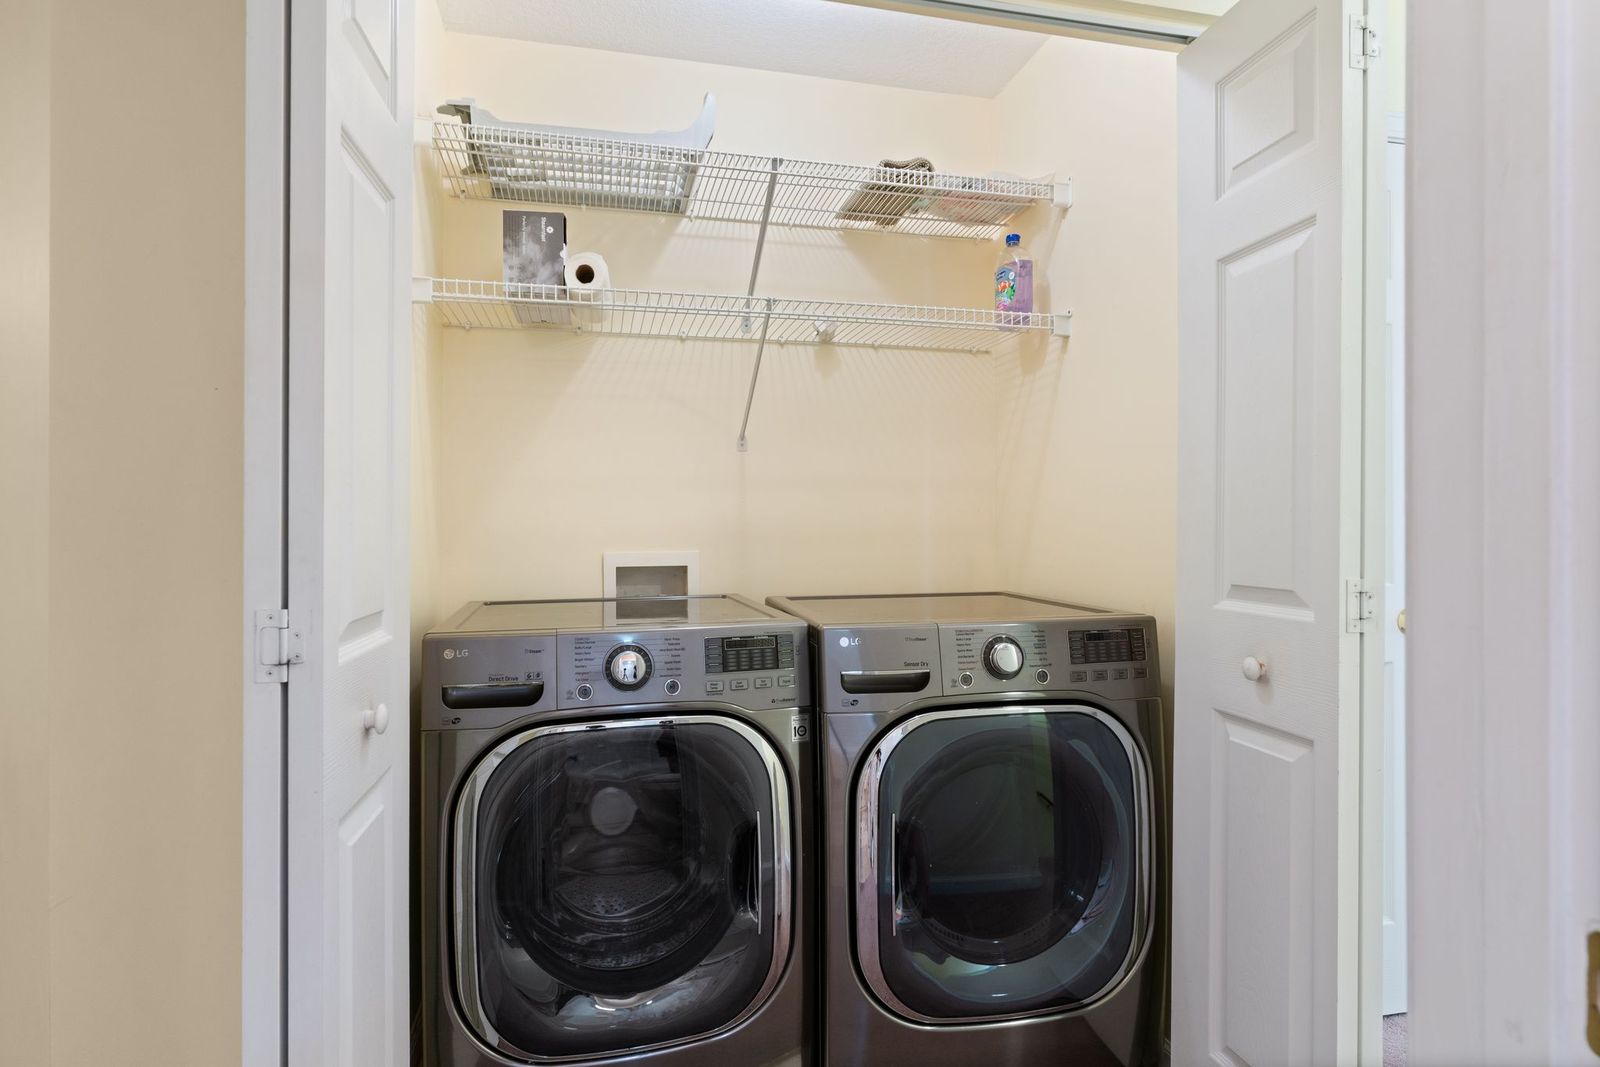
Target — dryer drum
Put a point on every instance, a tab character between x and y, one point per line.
1007	873
1030	897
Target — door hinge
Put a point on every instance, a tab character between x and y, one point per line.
1358	610
1363	43
277	645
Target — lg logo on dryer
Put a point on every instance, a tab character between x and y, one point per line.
846	641
451	653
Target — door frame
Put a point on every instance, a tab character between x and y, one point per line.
1374	531
264	704
1503	552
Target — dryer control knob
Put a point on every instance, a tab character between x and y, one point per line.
1002	657
628	666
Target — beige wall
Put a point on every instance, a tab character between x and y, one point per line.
554	448
866	470
24	535
1087	502
120	413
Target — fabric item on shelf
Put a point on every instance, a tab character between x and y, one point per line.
886	202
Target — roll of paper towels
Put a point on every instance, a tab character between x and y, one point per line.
587	278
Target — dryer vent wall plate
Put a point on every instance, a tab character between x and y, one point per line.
665	573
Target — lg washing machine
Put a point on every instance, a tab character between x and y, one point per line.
616	799
992	813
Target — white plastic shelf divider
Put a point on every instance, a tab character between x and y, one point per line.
510	164
706	316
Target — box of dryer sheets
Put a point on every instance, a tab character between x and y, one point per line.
535	251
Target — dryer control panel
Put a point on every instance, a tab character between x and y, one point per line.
1047	656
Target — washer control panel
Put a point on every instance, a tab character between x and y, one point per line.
748	667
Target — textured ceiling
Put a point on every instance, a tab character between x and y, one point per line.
815	37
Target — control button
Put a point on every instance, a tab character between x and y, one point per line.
1002	657
1099	676
713	687
763	683
965	679
1079	676
1042	675
585	691
1141	672
1120	674
785	681
672	687
739	684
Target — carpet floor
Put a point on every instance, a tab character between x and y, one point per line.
1394	1041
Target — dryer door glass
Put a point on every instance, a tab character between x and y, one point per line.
1004	862
618	885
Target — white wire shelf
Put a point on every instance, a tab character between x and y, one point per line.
476	304
530	166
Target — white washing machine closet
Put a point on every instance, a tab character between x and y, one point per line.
615	798
990	806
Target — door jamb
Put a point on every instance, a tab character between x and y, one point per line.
1374	562
262	991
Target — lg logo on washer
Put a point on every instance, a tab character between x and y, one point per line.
845	641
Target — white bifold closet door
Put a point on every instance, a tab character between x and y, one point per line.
1266	871
349	329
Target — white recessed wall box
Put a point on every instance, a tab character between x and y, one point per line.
659	573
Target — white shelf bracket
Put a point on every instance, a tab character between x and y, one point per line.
1062	196
422	290
1061	323
750	397
761	243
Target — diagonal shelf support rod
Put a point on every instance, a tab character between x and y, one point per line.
750	397
761	236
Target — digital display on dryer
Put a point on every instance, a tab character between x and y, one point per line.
1107	646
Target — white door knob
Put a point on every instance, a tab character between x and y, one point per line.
376	719
1254	669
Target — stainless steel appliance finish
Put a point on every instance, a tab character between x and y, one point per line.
616	799
992	806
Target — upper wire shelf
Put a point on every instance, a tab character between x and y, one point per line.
707	316
532	166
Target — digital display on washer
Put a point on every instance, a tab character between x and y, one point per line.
763	652
1107	646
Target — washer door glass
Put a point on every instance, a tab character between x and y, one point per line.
618	884
1001	862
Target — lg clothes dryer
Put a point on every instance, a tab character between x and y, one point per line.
992	822
616	796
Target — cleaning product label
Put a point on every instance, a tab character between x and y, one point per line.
1013	286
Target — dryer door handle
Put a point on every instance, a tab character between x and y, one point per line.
470	697
884	681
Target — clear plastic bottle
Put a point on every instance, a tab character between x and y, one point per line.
1013	283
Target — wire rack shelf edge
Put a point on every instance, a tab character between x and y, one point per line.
480	304
510	164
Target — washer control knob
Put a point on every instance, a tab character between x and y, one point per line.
1002	657
628	667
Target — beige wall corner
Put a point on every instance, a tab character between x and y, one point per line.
24	533
146	491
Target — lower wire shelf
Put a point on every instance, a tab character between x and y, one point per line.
476	304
